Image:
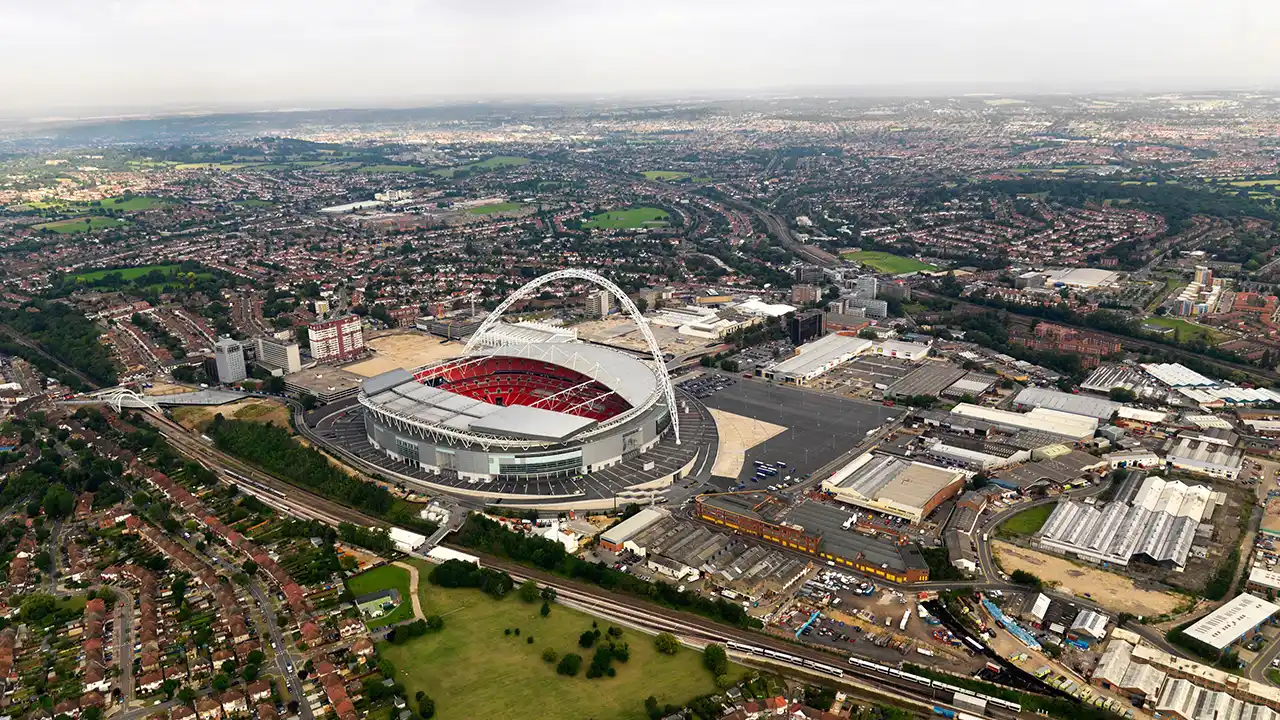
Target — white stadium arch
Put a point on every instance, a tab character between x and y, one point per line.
660	369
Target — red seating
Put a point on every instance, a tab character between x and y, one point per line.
520	381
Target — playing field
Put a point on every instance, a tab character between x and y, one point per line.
390	169
1185	330
629	219
492	163
253	202
665	175
84	224
494	208
387	577
404	349
886	262
1027	522
132	273
471	669
133	203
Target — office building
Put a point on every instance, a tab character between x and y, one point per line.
804	326
598	304
278	354
808	274
334	341
801	294
872	308
867	287
228	357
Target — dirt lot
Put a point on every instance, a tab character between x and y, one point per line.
403	349
267	411
1115	592
737	435
163	388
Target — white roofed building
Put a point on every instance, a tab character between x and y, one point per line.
1070	425
1233	621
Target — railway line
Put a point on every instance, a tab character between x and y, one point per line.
771	650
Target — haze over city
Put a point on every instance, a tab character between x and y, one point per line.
156	55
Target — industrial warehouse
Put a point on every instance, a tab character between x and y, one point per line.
1159	525
816	529
894	486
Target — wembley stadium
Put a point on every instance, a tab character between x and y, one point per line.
539	421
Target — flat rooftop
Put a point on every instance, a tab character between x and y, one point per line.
1232	621
324	380
828	522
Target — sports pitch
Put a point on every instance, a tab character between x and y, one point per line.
887	262
84	224
629	219
666	175
387	577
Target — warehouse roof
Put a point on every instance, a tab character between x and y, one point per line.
1074	426
628	528
1232	621
1178	375
887	479
821	355
1067	402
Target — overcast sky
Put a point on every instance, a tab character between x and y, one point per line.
155	54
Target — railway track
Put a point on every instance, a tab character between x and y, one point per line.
635	612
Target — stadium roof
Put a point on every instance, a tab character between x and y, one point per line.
631	378
1067	402
1232	621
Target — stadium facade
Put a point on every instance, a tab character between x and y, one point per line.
523	418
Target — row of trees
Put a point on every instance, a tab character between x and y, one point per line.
64	333
460	573
486	535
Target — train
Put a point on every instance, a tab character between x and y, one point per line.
244	481
872	667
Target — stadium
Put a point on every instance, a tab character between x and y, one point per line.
524	418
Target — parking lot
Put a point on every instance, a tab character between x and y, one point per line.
704	386
859	376
820	427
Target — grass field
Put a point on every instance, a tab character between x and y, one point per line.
665	174
1027	522
499	161
254	202
471	669
133	203
384	578
1185	330
887	262
132	273
84	224
629	219
391	169
1253	183
494	208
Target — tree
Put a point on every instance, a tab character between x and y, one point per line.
529	591
549	655
169	687
256	657
427	708
435	623
1022	577
250	567
1123	395
549	594
716	659
186	696
546	609
308	401
221	682
569	665
666	643
228	667
587	639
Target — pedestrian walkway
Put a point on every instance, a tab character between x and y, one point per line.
413	588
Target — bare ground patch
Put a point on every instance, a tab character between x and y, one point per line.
1115	592
738	434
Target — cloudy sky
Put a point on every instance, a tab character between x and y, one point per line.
63	55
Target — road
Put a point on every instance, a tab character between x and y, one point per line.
284	660
124	643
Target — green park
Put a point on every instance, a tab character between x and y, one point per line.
83	224
665	175
493	163
494	208
887	262
1028	522
372	582
628	219
502	657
